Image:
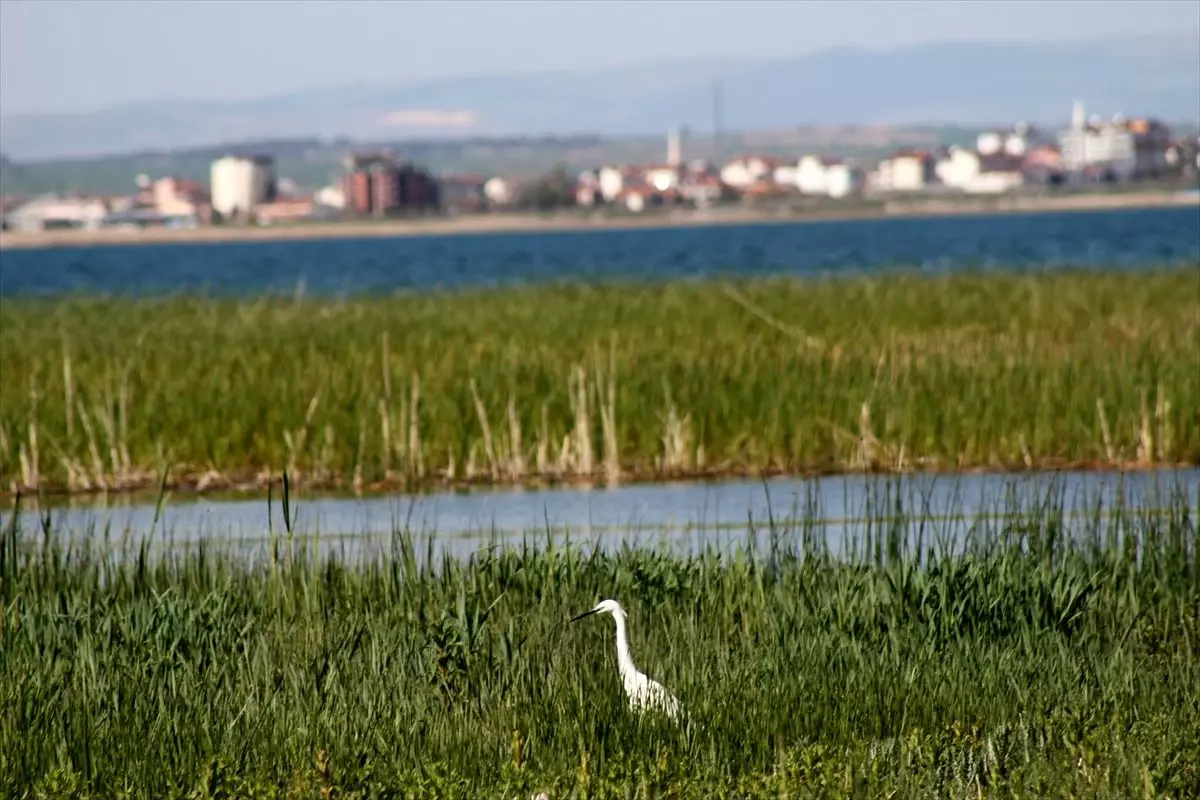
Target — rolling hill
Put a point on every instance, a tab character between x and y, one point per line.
968	83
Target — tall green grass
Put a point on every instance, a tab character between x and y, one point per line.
906	371
1037	657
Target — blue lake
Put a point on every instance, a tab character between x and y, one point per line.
1106	239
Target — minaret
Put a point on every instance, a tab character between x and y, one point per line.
1078	119
674	148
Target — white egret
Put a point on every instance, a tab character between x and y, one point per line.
643	692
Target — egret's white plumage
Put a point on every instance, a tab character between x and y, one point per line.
643	692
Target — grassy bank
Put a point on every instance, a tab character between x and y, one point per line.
904	371
1022	663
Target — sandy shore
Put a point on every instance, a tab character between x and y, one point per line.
495	223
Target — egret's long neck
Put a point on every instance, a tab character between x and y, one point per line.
624	660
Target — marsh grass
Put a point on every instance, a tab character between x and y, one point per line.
614	382
1036	656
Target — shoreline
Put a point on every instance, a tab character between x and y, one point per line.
533	223
194	486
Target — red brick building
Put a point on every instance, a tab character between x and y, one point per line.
378	185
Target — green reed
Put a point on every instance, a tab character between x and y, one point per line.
1037	655
995	370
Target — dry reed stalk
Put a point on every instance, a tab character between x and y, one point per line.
489	450
676	438
76	477
879	365
543	445
608	415
564	456
385	433
415	461
401	444
1025	455
123	425
68	392
1162	418
385	405
865	455
209	478
30	474
1145	452
582	444
516	455
23	461
108	425
3	449
470	471
1105	436
325	455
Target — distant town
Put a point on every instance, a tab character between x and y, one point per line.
246	189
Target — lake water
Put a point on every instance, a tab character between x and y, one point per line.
1117	238
686	516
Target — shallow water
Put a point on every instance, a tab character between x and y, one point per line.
839	509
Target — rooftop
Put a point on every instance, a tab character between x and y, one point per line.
1000	162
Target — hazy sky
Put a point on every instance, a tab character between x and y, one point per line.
68	55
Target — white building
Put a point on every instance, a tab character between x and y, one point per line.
331	197
745	171
52	211
662	178
635	200
785	175
1105	146
822	177
976	173
843	180
612	181
240	183
701	189
175	197
959	166
498	191
1123	148
812	175
906	171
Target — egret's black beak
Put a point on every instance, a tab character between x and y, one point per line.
585	614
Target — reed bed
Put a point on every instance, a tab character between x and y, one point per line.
995	370
1035	656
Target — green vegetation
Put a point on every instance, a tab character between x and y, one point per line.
997	370
1039	657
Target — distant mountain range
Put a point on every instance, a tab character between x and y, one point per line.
968	83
